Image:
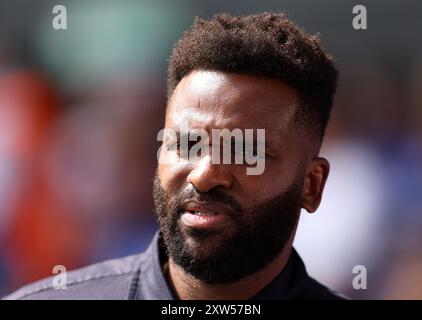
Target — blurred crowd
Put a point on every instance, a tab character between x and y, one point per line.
80	110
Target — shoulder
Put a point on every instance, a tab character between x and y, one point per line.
317	291
306	287
111	279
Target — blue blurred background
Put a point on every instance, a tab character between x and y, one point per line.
80	110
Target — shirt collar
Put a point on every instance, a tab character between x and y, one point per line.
152	283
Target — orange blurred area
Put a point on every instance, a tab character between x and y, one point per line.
40	235
28	107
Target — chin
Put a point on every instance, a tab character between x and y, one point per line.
205	243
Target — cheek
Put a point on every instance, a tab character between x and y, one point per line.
251	189
257	189
173	176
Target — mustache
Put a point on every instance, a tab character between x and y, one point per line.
213	196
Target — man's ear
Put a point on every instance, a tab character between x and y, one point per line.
316	176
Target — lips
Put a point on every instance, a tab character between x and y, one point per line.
205	215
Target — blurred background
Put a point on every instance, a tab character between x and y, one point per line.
80	110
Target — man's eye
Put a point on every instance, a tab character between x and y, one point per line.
245	152
172	146
255	155
249	153
188	146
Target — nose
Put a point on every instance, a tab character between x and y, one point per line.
206	175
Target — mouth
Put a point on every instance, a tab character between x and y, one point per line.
205	215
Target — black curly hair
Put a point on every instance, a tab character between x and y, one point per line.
266	44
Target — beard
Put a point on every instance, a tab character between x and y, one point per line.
258	236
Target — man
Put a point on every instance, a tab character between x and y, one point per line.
226	234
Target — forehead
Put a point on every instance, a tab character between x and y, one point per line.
215	99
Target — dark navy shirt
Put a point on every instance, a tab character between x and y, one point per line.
141	277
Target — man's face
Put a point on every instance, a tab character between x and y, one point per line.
220	224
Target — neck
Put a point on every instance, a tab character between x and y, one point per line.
187	287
